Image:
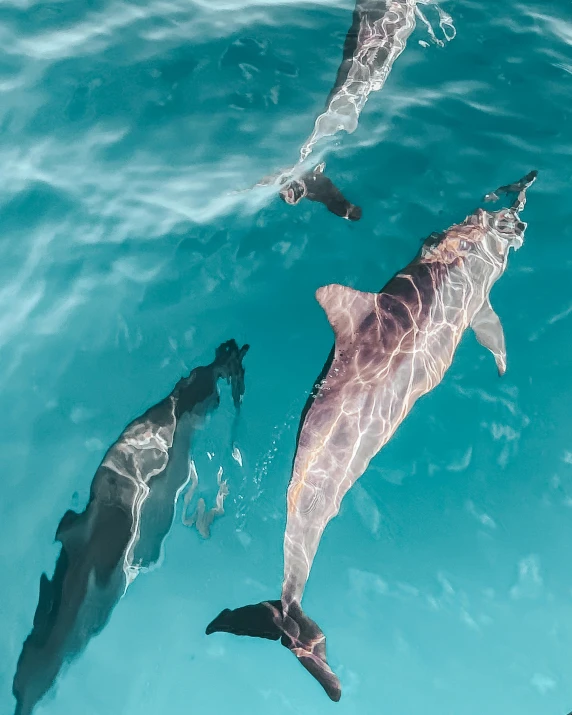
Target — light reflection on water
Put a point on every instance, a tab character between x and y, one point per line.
443	585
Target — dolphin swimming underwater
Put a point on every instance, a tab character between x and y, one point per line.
377	36
315	186
121	531
390	349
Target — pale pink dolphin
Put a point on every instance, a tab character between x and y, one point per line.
391	348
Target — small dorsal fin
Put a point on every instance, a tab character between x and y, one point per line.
66	523
45	602
71	531
346	308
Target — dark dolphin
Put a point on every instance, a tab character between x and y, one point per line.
315	186
122	529
390	349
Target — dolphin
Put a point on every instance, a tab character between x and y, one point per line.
377	36
121	531
316	186
390	349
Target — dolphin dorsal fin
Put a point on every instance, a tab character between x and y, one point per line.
346	309
71	531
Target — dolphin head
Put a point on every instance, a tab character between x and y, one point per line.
316	186
228	361
508	228
294	192
505	228
481	243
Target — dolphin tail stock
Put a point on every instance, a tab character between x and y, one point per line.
293	628
38	664
23	707
228	362
20	710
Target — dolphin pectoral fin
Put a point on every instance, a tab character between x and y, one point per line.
45	602
346	309
489	333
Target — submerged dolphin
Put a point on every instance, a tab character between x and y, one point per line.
315	186
377	36
122	529
391	348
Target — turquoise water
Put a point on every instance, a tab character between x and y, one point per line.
445	584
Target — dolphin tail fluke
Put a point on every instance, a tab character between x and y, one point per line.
295	630
308	643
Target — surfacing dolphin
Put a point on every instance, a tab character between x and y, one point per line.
315	186
121	531
390	349
377	36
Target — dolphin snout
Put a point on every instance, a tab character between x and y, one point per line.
526	181
518	187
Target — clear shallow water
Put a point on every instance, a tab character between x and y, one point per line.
444	586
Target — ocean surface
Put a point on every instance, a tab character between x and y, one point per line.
445	584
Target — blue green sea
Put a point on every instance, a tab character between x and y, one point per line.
129	252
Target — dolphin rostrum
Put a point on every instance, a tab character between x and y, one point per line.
377	36
390	349
121	531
